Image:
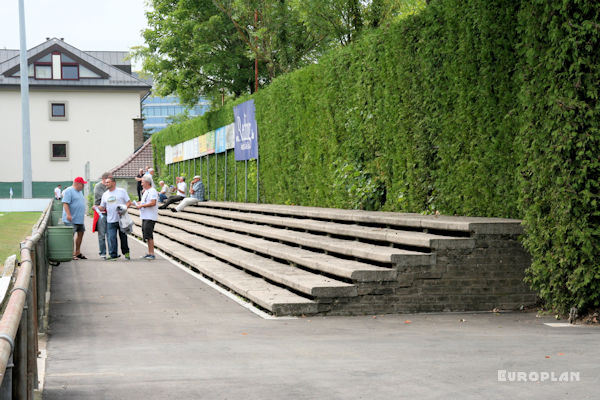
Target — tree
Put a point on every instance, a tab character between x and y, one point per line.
273	33
208	47
192	49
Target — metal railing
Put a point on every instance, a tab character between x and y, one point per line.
24	291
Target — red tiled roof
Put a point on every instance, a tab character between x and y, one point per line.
130	167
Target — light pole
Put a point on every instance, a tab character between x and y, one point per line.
27	191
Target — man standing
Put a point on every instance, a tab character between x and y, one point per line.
149	214
74	212
101	226
181	190
196	194
58	192
111	199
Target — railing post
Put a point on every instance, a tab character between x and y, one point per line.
20	357
7	382
32	340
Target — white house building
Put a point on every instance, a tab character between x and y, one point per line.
83	108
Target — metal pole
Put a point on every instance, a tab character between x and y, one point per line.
216	177
235	180
208	175
226	165
26	138
194	167
257	180
246	181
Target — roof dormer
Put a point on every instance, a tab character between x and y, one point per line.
58	65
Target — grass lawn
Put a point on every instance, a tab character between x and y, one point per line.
14	227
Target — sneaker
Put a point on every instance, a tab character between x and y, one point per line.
149	257
173	210
127	256
109	258
103	256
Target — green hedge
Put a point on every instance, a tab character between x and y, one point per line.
485	108
560	142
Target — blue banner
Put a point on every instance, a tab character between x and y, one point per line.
220	140
246	131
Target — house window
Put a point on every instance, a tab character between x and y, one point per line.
70	71
59	151
57	110
43	71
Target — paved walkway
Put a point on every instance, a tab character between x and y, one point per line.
148	330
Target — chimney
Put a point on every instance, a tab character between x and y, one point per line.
138	133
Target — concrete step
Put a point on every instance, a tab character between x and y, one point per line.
271	297
354	270
387	235
475	225
303	281
349	248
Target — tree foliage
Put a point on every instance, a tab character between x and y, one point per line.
207	47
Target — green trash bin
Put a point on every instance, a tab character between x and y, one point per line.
57	205
56	218
60	243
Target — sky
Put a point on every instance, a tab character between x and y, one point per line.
85	24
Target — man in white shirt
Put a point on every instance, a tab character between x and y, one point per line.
149	214
111	199
58	192
181	191
162	195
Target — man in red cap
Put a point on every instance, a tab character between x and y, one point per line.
74	213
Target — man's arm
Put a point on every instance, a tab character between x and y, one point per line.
67	211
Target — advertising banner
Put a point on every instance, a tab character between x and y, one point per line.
168	155
220	140
210	142
246	131
230	133
178	152
202	148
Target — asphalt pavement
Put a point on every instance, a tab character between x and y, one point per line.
148	330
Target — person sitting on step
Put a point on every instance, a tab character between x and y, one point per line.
196	194
180	195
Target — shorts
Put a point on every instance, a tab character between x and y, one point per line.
76	227
148	229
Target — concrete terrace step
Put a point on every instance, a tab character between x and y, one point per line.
407	238
349	248
349	269
475	225
303	281
271	297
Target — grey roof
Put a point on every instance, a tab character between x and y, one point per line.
7	54
111	57
111	77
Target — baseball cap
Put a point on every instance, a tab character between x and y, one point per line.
79	180
197	177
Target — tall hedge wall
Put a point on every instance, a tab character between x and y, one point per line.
472	107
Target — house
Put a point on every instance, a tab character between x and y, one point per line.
84	109
127	170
